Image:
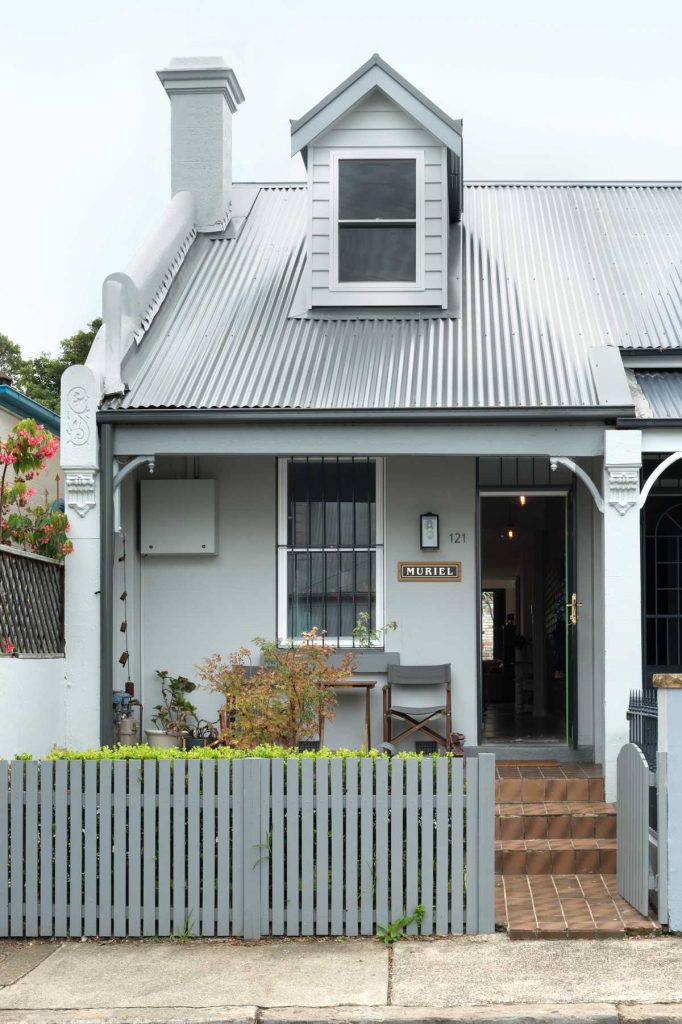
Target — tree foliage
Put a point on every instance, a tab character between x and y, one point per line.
39	376
10	357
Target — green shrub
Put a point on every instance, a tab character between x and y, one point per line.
143	752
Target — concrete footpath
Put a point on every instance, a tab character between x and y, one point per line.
295	981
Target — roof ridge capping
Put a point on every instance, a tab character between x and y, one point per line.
569	183
375	74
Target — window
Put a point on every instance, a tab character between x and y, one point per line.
377	223
330	545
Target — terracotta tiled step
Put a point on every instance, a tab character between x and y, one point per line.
569	782
556	820
566	906
555	856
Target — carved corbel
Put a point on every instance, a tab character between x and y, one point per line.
623	488
80	491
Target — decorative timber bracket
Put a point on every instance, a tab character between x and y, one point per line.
120	475
623	482
562	460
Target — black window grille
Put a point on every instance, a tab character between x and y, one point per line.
333	555
662	571
663	544
521	471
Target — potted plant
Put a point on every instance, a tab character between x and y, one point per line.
281	701
201	733
172	716
366	637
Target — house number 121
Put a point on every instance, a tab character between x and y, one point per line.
458	538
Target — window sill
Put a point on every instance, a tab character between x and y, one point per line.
368	660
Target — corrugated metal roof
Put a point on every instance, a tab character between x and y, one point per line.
662	392
549	271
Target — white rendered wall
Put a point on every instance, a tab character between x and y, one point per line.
33	716
437	622
191	607
195	606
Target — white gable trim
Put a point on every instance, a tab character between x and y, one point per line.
374	78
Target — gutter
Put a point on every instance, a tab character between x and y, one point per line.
494	416
26	407
631	423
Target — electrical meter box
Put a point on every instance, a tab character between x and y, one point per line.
178	517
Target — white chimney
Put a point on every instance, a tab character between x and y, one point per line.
204	94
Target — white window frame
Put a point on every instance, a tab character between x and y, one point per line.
376	286
283	638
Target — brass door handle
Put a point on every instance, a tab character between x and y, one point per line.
573	605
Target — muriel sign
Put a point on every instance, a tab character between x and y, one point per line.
430	572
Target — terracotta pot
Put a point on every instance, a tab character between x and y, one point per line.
159	738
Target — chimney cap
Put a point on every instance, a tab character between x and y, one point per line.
6	378
201	74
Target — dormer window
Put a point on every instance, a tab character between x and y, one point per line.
384	168
377	223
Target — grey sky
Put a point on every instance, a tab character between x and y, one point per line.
586	90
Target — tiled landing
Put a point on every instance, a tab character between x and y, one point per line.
566	907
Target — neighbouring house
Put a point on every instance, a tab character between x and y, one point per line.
31	610
16	406
290	377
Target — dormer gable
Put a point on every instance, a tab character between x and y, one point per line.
384	185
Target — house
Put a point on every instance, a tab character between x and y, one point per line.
16	406
290	377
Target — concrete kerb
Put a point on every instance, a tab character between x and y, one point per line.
590	1013
584	1013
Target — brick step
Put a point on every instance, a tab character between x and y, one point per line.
561	819
533	790
555	856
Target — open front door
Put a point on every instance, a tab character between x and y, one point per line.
529	610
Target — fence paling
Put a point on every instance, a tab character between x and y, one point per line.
248	847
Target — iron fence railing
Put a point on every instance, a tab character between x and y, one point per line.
643	720
31	603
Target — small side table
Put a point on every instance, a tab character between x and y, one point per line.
356	684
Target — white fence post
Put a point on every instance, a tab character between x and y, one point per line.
669	770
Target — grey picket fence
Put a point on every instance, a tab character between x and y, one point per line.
246	847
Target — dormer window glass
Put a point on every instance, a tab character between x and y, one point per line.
377	220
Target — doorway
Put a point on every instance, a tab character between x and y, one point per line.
527	639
